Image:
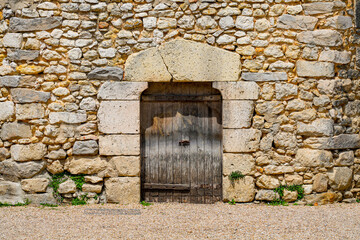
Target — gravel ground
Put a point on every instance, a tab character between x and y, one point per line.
181	221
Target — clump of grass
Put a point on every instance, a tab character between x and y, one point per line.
48	205
79	180
79	200
27	202
236	175
145	203
358	200
278	202
59	178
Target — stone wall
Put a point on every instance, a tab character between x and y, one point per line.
72	72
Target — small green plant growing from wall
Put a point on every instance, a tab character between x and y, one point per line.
236	175
79	200
49	205
59	178
280	190
358	200
232	202
145	203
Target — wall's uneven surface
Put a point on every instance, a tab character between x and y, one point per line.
288	74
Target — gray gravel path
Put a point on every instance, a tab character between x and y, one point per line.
181	221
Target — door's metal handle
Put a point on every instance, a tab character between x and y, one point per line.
184	143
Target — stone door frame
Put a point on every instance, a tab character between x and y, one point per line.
119	112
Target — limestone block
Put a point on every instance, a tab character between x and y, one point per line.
340	57
55	167
237	90
340	178
285	90
67	117
123	190
266	195
106	73
146	66
121	90
67	187
34	24
237	114
318	128
242	190
326	86
23	95
22	55
11	193
41	198
88	104
290	196
296	22
314	69
93	179
267	182
29	111
13	130
34	185
13	40
294	180
320	183
92	188
264	77
85	165
244	163
241	140
10	81
119	145
57	154
22	153
318	8
21	170
89	147
278	170
285	140
192	61
305	115
127	166
343	141
345	159
7	110
119	117
339	22
244	23
324	37
313	158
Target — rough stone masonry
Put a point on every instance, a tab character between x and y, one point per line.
72	73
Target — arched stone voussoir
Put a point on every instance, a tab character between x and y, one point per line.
183	61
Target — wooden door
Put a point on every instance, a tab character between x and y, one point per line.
181	138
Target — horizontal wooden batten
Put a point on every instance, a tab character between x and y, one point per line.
166	186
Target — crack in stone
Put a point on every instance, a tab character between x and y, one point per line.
172	77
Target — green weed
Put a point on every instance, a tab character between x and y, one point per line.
48	205
145	203
236	175
79	201
232	202
27	202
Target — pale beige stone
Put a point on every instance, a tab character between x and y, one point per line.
146	66
29	111
119	145
93	179
267	182
241	140
244	163
119	117
237	113
127	166
242	190
11	192
123	190
290	196
91	188
340	178
22	153
313	158
266	195
67	187
294	180
85	165
196	62
320	183
121	90
55	167
237	90
34	185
